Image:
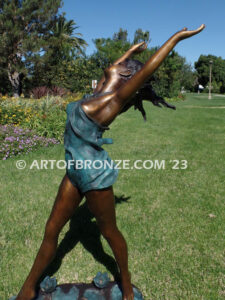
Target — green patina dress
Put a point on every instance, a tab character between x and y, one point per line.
88	165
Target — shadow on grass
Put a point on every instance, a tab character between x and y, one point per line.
83	229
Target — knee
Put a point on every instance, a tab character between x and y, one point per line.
108	231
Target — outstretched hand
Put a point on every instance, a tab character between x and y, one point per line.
138	48
184	33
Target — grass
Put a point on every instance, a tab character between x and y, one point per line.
173	220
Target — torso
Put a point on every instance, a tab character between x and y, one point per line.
101	108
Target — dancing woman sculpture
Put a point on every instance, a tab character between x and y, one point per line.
87	120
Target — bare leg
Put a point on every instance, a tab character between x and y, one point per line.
102	204
67	200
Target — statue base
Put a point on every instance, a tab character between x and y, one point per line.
100	289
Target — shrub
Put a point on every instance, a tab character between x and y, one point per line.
40	92
179	97
43	91
58	91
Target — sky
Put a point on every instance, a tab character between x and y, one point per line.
162	18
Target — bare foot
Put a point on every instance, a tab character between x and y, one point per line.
127	288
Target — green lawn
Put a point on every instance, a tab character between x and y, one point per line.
172	219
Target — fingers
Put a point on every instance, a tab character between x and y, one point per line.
139	46
144	46
200	28
189	33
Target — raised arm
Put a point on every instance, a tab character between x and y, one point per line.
133	84
104	108
135	49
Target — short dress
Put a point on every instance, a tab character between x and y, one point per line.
89	166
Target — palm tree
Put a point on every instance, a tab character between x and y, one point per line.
62	45
64	39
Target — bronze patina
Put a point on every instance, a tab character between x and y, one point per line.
113	93
106	107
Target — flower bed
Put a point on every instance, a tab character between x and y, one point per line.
45	116
15	140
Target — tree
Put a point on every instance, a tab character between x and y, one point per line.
4	82
188	77
82	70
218	72
111	49
64	40
24	25
121	35
141	35
63	47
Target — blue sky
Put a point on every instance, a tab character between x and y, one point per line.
162	18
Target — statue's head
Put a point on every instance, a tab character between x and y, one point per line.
117	74
125	69
128	68
133	65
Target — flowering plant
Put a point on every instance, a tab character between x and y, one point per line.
15	140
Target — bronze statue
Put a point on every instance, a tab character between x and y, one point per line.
87	120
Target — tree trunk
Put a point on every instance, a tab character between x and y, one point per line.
16	81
